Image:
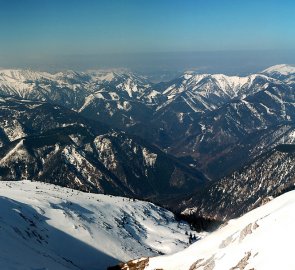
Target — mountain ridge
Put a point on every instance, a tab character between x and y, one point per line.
46	142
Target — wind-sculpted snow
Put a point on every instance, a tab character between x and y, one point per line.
43	226
261	239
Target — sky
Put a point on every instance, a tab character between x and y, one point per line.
147	34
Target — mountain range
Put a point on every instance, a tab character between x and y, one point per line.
178	116
50	143
114	123
209	147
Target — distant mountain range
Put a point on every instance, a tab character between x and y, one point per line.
115	132
50	143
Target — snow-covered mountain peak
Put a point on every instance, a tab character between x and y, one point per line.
68	74
108	75
103	76
227	82
282	69
22	75
215	84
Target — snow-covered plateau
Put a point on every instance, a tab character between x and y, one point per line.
43	226
261	239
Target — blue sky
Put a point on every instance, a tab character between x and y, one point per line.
61	31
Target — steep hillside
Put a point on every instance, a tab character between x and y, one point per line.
268	176
258	240
231	133
48	227
52	144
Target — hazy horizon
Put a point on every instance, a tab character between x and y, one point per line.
164	66
231	37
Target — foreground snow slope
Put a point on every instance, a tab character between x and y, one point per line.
261	239
43	226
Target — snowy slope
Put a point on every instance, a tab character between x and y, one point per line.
259	240
282	69
282	72
43	226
